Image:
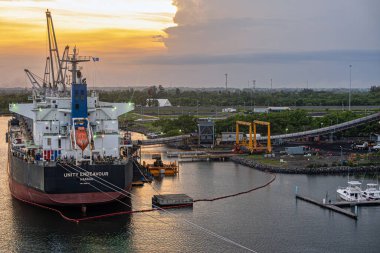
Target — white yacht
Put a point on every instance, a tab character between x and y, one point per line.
372	192
352	192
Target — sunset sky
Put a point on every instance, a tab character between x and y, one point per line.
194	43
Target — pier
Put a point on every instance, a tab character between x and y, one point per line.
193	156
331	207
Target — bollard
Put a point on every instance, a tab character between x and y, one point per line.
83	209
324	201
296	191
356	210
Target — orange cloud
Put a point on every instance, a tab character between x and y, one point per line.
31	39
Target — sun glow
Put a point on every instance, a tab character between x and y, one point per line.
108	26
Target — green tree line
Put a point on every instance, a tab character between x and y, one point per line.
306	97
247	97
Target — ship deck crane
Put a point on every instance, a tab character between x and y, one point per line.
33	79
55	68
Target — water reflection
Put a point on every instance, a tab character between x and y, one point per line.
267	220
47	231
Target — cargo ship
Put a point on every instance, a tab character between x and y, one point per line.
65	146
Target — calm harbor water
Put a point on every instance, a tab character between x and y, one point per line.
267	220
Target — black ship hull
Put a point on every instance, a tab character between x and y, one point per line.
64	184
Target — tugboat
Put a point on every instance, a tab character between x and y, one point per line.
66	142
160	168
352	192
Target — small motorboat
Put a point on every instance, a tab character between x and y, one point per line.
352	192
372	192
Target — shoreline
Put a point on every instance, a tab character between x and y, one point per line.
307	171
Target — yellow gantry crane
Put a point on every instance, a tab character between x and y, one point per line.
269	145
252	144
244	123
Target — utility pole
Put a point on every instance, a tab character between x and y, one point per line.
349	93
226	80
271	85
197	108
253	90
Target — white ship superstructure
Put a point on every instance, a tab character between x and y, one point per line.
49	121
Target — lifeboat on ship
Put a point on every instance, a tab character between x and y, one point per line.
81	137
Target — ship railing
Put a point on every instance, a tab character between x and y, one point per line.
51	133
18	153
45	163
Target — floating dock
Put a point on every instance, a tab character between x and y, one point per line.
332	207
172	200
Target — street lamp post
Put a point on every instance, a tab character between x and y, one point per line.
349	93
197	108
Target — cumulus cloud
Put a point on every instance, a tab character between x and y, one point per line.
290	41
217	26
